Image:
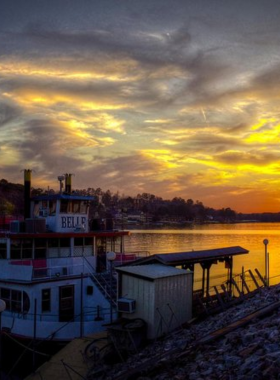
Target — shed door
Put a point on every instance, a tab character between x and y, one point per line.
66	303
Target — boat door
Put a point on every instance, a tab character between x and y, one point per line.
66	303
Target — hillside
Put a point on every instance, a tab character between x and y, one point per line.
11	198
149	205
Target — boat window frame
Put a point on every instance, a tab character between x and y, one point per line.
17	301
26	249
3	250
16	247
46	301
63	207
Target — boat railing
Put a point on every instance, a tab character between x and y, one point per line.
34	270
97	280
124	258
42	268
95	313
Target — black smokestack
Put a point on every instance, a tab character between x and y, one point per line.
68	183
27	192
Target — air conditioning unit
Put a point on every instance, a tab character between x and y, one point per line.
126	305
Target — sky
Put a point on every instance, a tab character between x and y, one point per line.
176	98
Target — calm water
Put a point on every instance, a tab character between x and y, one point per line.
247	235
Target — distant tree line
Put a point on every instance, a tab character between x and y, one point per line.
12	202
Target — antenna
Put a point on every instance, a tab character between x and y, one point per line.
61	179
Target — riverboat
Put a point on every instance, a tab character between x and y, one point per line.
55	271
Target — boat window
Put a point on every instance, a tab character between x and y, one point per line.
16	300
40	248
78	242
63	206
59	247
83	207
70	207
44	204
76	206
25	302
36	208
53	243
88	241
65	242
26	249
3	251
5	295
52	207
15	249
46	300
21	249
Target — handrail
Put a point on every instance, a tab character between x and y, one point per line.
95	278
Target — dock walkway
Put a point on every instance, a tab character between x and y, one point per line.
68	363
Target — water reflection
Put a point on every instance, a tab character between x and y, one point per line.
247	235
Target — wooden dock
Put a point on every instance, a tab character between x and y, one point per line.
70	362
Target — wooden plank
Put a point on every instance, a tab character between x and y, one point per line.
253	278
245	284
228	297
221	302
236	286
261	277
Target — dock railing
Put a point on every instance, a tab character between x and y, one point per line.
220	296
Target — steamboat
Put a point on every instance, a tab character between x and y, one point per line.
56	280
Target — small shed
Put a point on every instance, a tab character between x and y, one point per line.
158	294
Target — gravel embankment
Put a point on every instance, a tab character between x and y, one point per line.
251	351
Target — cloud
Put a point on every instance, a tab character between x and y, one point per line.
256	158
8	114
142	98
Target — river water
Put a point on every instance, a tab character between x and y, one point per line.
208	236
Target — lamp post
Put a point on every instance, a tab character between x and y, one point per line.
265	242
2	308
111	256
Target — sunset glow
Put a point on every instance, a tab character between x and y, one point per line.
174	100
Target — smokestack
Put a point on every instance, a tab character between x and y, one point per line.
68	183
27	192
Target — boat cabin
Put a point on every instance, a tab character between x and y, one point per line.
62	212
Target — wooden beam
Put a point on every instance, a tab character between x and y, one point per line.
221	302
261	277
227	294
236	286
253	278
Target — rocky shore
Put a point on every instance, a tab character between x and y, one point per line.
209	349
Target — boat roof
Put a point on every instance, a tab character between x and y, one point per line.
55	197
152	271
192	257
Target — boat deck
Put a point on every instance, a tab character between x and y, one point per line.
69	362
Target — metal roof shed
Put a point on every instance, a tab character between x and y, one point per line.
163	296
206	258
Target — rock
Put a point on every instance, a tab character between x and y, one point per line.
246	353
